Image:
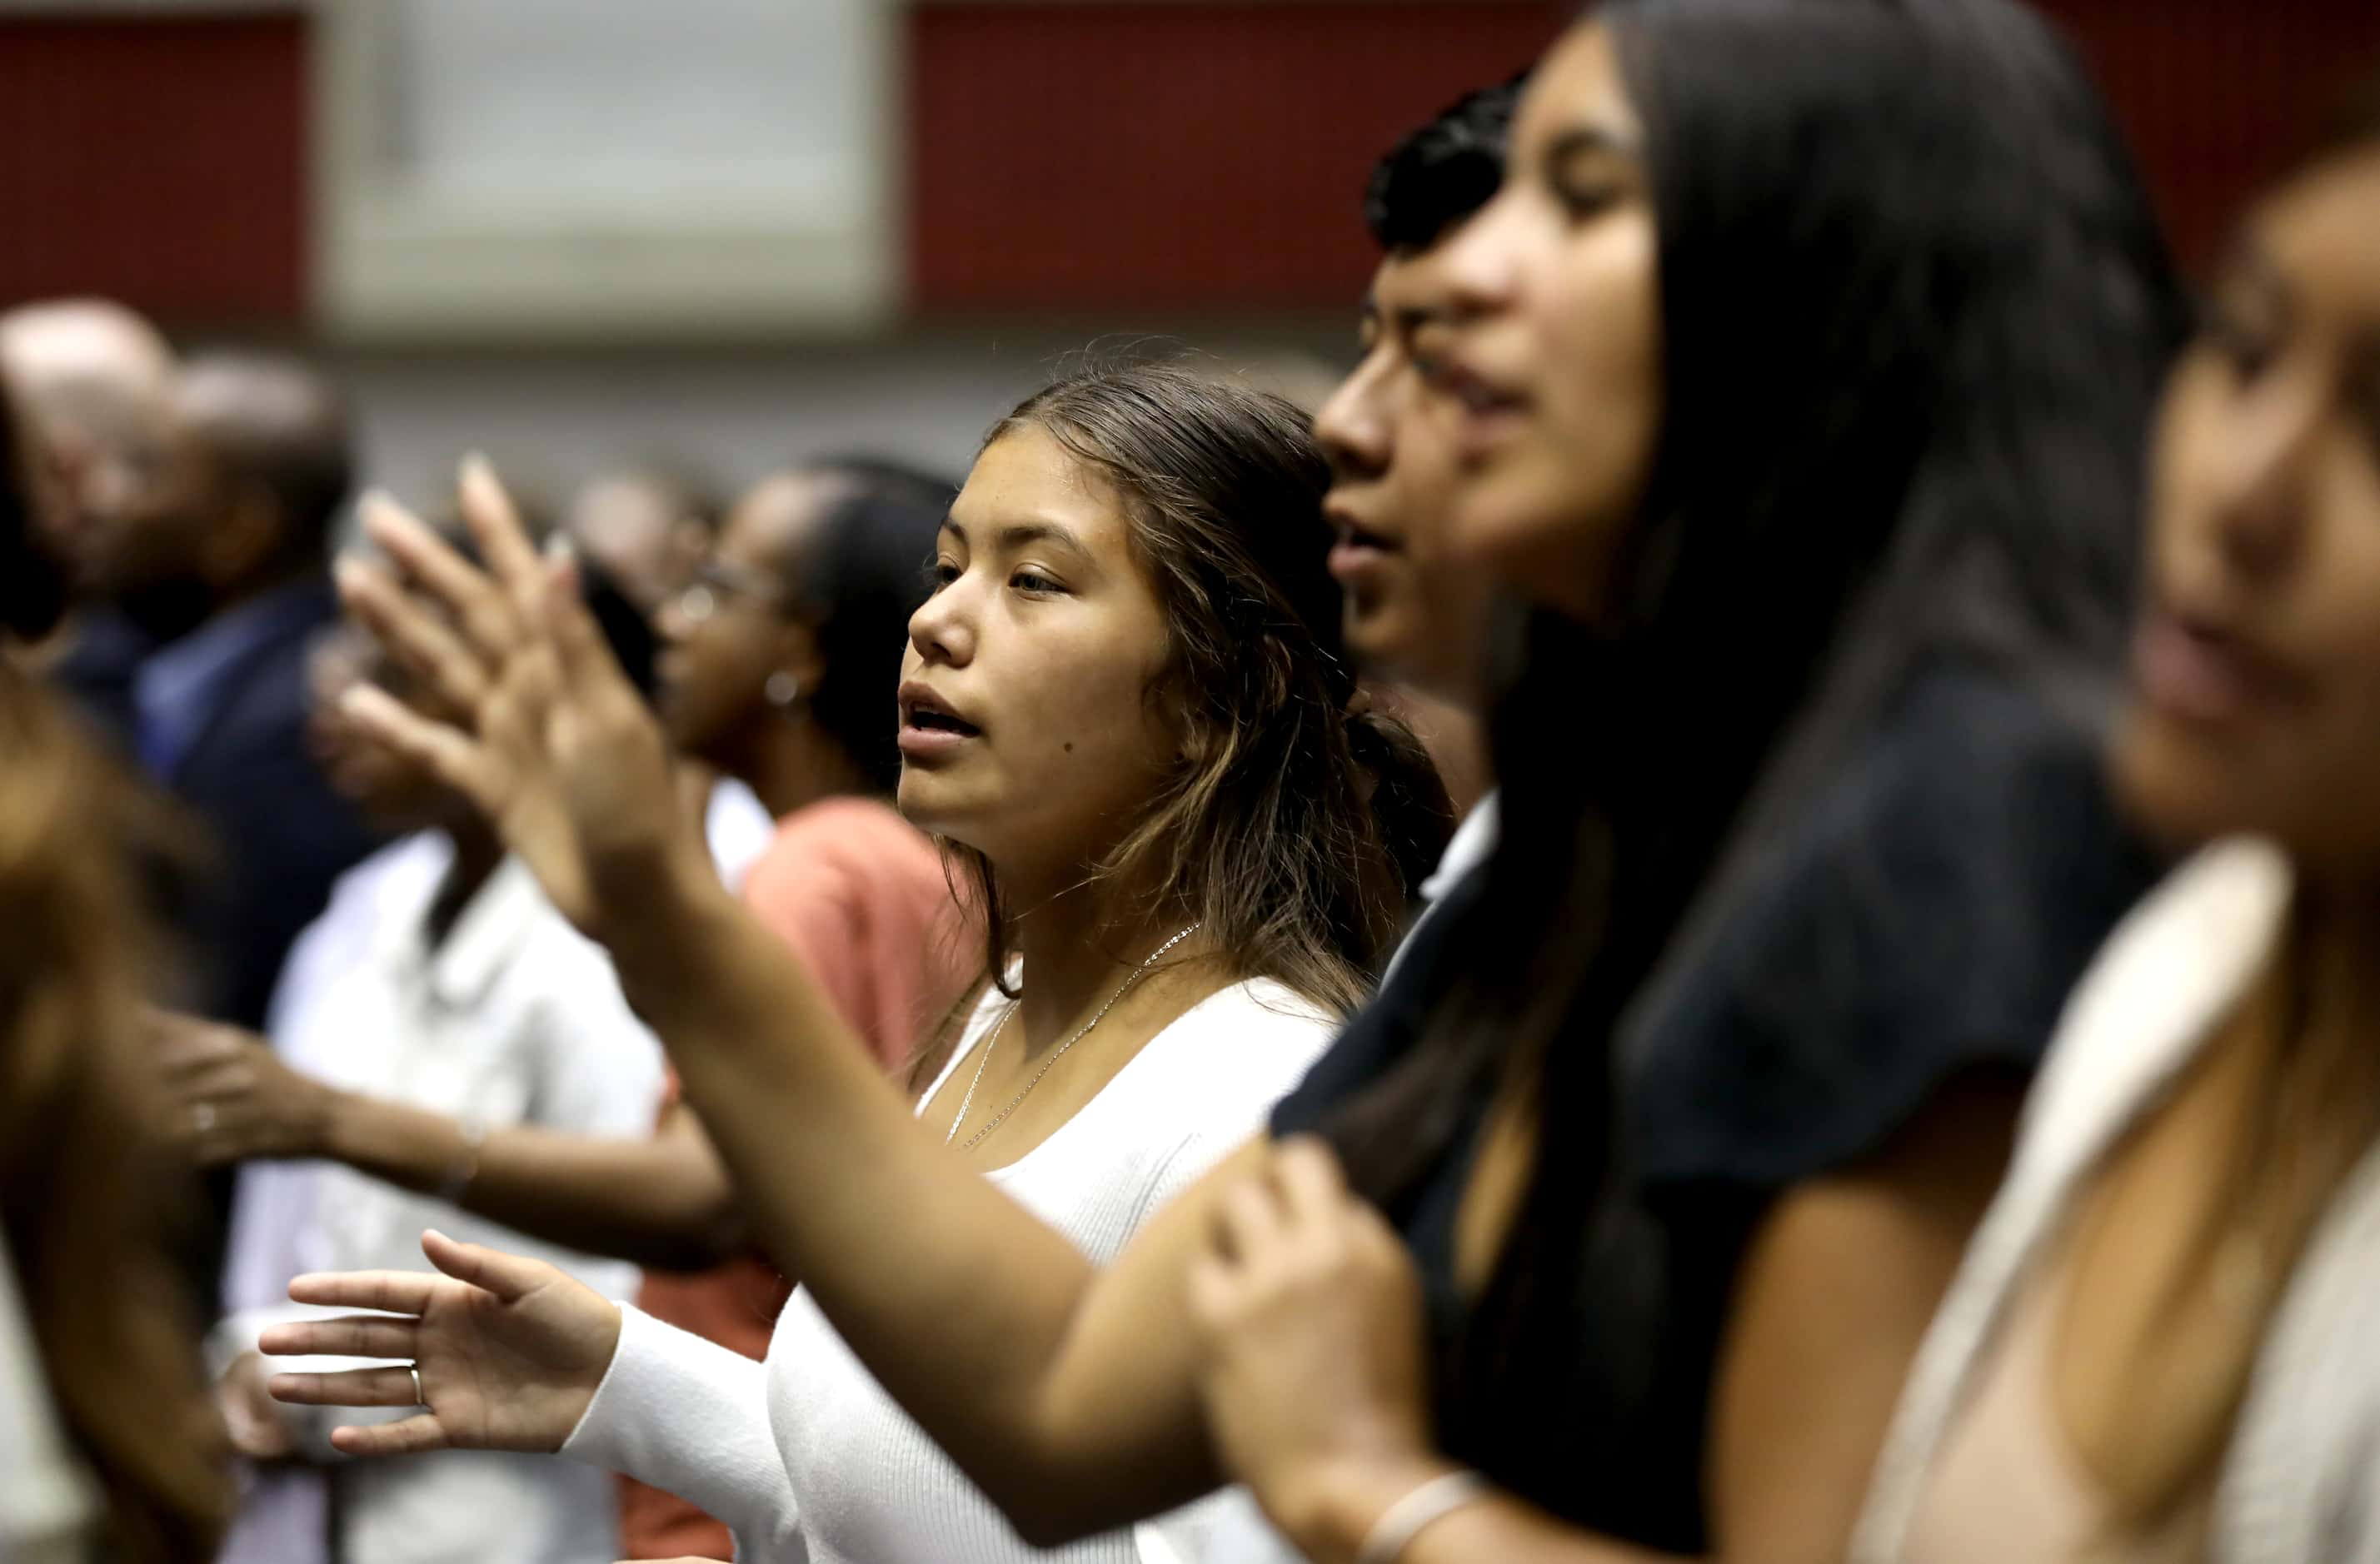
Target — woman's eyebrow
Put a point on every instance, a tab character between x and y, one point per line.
1588	138
1023	534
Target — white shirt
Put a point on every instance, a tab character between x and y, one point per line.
808	1459
46	1504
516	1018
2296	1481
1472	843
739	828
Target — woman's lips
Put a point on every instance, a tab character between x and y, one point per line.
2201	673
929	728
1360	554
931	744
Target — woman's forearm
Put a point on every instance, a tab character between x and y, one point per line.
662	1202
1073	1407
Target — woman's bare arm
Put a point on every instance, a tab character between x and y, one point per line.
1068	1394
664	1203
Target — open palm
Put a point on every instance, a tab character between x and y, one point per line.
510	1352
523	709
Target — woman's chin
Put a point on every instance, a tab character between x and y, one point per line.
1539	542
2177	792
924	801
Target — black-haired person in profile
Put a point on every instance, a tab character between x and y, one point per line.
772	671
1414	618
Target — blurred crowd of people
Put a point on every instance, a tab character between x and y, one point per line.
1722	913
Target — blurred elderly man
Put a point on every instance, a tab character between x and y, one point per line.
94	383
231	584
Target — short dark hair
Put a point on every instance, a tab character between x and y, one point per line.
1443	172
287	432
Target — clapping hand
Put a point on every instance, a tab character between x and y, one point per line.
1309	1318
555	745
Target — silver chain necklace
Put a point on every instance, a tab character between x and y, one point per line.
994	1123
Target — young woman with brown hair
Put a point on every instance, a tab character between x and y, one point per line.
1125	707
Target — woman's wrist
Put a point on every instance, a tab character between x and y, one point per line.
414	1148
1332	1508
660	918
313	1129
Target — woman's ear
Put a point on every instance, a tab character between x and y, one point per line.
795	653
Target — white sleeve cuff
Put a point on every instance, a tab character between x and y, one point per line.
687	1415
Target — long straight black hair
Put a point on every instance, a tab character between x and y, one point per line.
1914	311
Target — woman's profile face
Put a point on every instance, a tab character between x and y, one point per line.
1027	731
730	630
1543	350
2257	667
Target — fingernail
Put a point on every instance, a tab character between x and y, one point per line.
558	546
476	468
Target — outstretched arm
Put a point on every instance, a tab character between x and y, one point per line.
663	1202
1069	1397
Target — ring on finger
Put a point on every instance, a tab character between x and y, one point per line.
419	1398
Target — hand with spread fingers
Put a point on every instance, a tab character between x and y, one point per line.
558	749
232	1095
501	1353
1309	1317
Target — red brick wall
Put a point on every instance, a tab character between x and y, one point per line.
1088	154
1061	155
160	160
2217	95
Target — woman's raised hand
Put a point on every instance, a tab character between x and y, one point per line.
509	1352
522	709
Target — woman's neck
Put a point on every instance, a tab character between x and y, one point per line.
1081	943
2334	947
789	766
